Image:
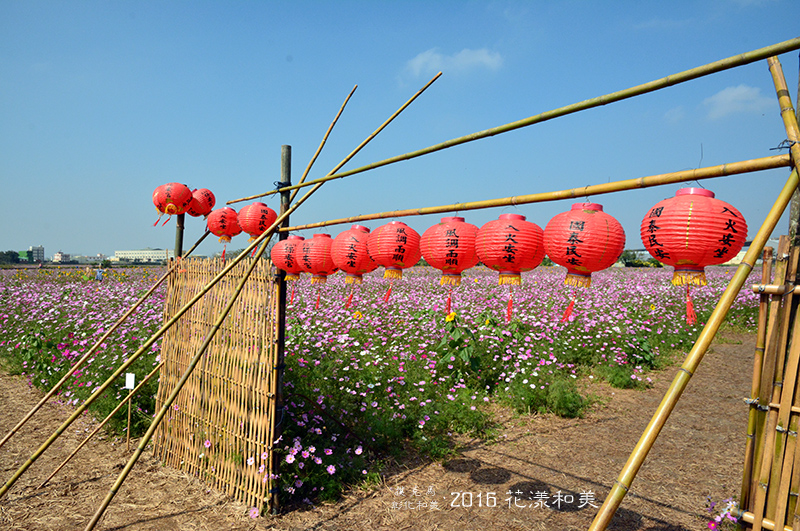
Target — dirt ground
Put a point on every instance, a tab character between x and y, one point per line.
539	460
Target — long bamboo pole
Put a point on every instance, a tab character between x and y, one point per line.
147	344
97	345
734	168
695	356
97	429
681	77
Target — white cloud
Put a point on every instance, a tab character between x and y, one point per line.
675	115
432	61
734	100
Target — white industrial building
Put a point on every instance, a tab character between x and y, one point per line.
144	255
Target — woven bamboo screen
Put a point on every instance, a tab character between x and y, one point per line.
771	476
220	428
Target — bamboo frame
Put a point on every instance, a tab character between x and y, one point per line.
755	386
722	170
97	345
680	77
642	448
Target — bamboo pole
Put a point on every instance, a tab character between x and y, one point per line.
734	168
147	344
681	77
755	386
695	356
97	345
94	432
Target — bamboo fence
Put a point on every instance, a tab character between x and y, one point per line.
220	425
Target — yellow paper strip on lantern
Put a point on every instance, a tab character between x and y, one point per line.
682	278
506	278
393	273
578	281
450	280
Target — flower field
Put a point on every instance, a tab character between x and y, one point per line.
383	376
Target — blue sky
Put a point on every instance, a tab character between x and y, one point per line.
100	102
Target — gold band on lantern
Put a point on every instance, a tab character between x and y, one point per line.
510	278
319	279
578	281
292	276
450	279
393	273
353	279
686	277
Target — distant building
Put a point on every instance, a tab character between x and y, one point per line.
37	253
144	255
25	256
61	257
96	259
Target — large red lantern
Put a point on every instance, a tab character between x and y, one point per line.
449	246
202	203
690	231
286	256
510	245
584	240
223	222
349	253
254	219
395	246
172	199
315	258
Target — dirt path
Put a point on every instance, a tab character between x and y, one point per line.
539	460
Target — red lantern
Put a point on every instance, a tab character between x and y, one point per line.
510	245
286	256
172	199
224	223
450	247
202	203
584	240
693	230
349	253
690	231
395	246
255	219
315	258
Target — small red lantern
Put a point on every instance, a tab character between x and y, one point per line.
172	199
584	240
254	219
693	230
395	246
349	253
285	255
510	245
223	222
690	231
450	247
315	258
202	203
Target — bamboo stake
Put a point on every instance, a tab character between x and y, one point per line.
767	524
681	77
771	377
94	432
734	168
210	334
94	348
755	386
621	486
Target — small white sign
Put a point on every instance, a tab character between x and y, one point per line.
130	380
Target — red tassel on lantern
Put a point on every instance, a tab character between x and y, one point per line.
202	203
395	246
510	245
691	316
